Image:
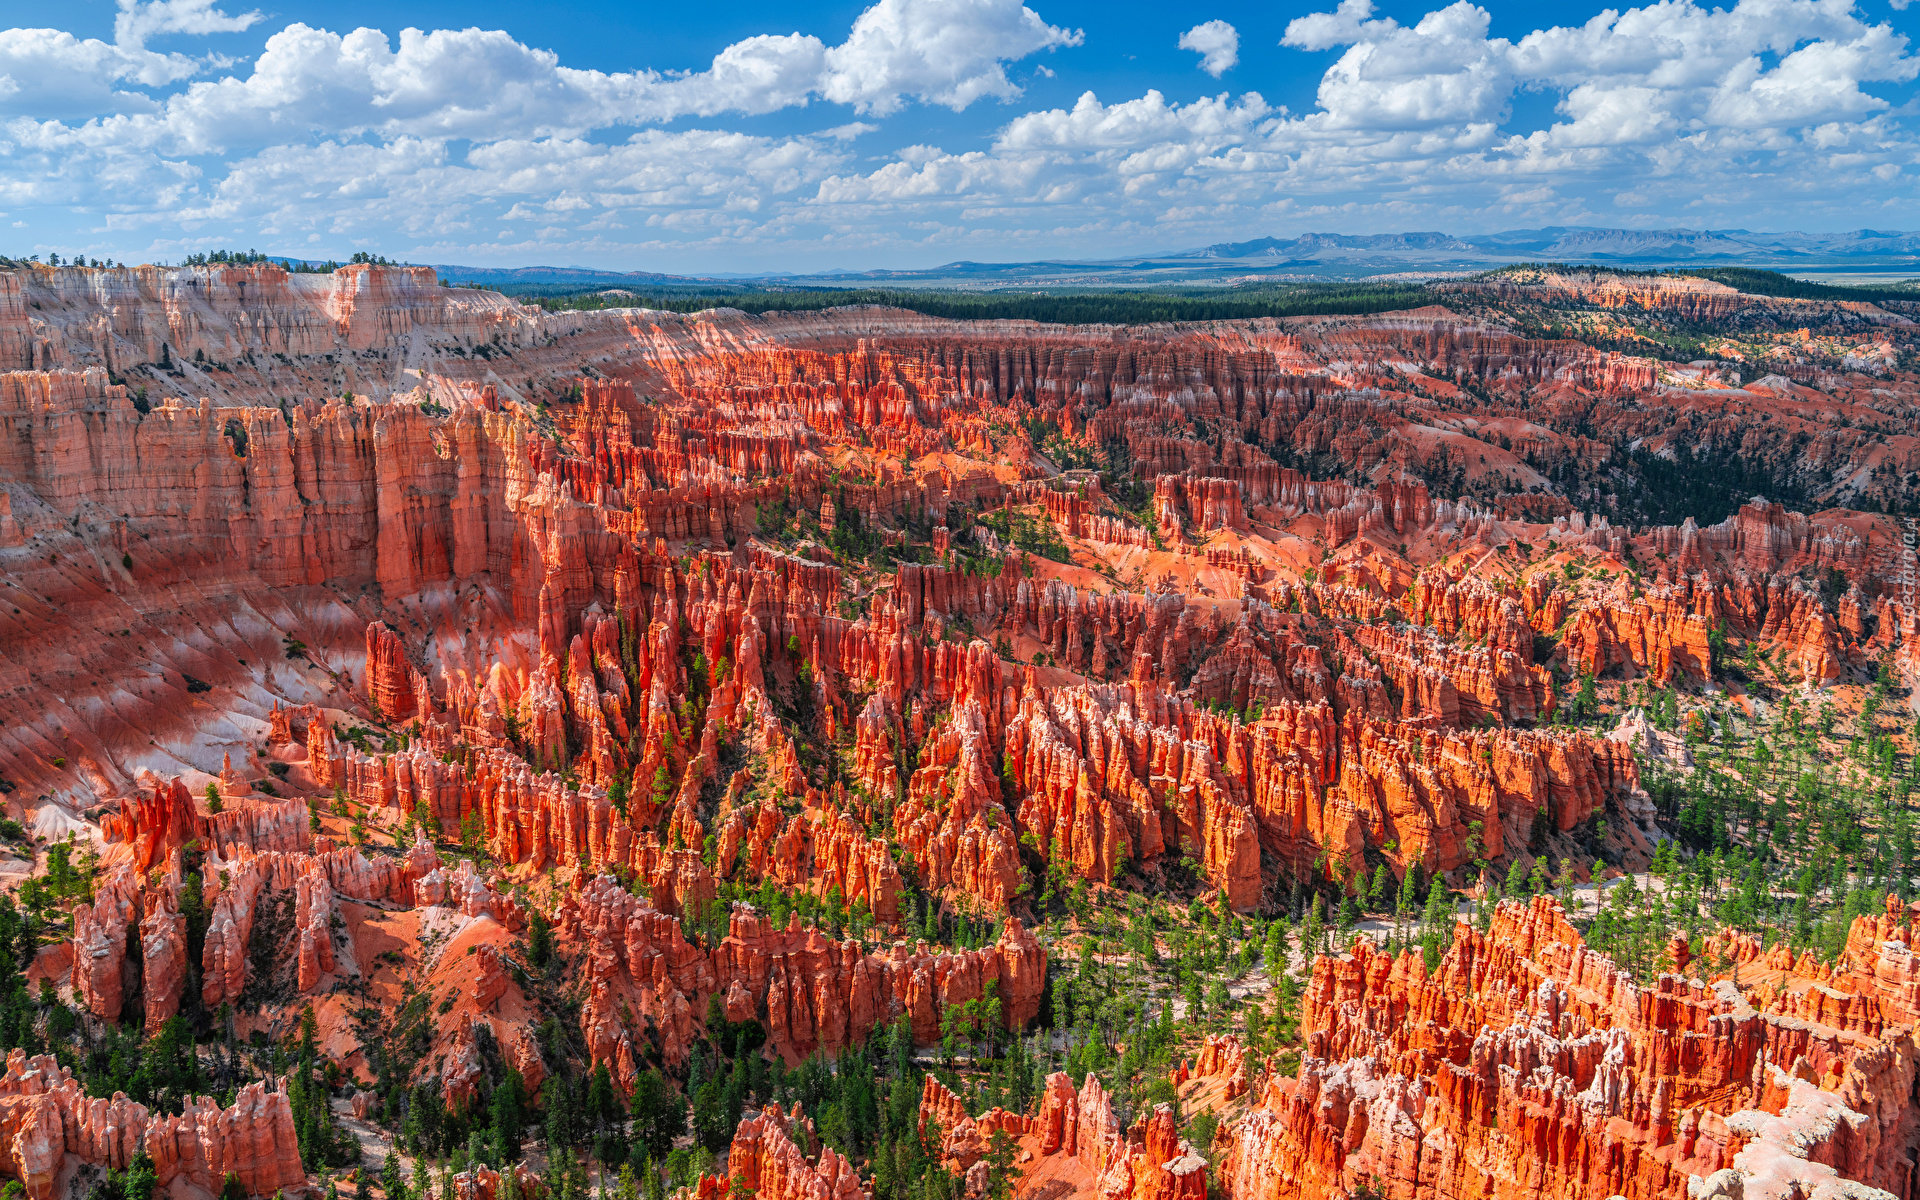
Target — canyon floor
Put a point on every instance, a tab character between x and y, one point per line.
456	748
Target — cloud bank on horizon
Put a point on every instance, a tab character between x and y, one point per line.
471	145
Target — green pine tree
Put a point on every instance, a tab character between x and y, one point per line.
1436	936
1409	898
141	1178
393	1180
509	1099
1516	878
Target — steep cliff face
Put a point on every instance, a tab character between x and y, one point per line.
230	330
308	492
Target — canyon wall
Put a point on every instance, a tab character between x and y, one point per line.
552	576
907	622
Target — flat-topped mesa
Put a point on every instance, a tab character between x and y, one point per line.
1693	299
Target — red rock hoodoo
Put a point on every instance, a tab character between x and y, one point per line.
524	693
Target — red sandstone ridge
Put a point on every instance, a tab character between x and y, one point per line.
810	992
764	1162
1074	1146
1219	1070
1525	1056
48	1127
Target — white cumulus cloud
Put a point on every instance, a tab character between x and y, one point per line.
948	52
484	84
1217	43
139	20
50	73
471	143
1135	123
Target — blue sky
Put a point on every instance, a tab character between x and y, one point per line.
904	133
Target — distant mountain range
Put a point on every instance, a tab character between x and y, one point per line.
1578	243
526	278
1309	256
